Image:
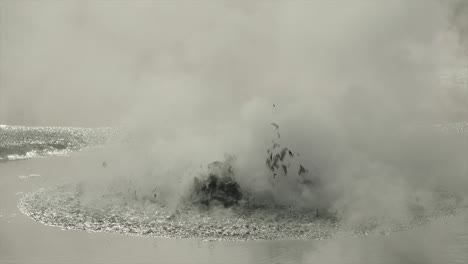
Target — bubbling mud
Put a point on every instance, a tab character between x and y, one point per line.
65	207
218	208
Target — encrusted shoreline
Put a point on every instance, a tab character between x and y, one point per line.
63	207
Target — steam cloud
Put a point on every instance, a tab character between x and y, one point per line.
356	88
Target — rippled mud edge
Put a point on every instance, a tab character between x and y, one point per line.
20	143
36	155
62	207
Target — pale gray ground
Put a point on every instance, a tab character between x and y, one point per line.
23	240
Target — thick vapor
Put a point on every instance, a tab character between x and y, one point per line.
356	90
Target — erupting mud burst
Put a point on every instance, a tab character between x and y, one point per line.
218	187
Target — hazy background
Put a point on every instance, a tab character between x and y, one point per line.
357	88
91	63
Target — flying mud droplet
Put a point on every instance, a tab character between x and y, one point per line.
26	177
